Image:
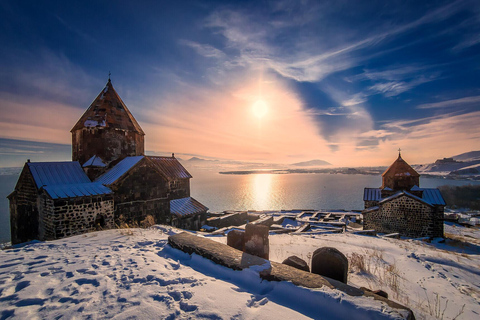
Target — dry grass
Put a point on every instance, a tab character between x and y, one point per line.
437	306
372	265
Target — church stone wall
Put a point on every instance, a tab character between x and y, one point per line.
369	204
23	209
407	216
142	192
69	217
107	143
179	189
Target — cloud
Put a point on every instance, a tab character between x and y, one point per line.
450	103
430	138
394	88
308	58
204	50
222	124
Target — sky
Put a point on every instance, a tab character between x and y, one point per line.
348	82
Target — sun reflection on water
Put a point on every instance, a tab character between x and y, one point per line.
261	191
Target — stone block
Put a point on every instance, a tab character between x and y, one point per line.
330	262
236	239
380	293
296	262
256	240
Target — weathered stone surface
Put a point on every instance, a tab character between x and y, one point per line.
256	240
296	262
266	221
231	219
330	262
380	293
215	251
236	239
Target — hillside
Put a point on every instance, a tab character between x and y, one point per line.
468	156
462	166
312	163
134	274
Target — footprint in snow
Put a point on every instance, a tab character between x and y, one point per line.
255	302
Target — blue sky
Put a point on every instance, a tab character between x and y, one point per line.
348	82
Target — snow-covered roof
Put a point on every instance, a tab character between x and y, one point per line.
372	194
186	206
119	170
57	173
432	196
64	180
94	161
76	190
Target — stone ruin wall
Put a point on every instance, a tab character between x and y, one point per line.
63	218
107	143
404	215
192	222
142	192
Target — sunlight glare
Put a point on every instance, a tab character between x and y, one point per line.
262	185
260	109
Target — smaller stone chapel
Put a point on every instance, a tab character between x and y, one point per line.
401	206
109	181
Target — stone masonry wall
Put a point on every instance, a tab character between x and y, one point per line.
369	204
142	192
107	143
64	218
23	209
404	215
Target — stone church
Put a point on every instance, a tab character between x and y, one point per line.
401	206
109	181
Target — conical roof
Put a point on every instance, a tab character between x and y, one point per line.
400	168
109	111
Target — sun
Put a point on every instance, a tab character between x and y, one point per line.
260	109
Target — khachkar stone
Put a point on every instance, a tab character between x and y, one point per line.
296	262
331	263
236	239
256	240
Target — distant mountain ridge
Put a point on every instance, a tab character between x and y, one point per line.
468	156
466	165
312	163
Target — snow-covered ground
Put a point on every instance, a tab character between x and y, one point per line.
134	274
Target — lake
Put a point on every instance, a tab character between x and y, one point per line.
221	192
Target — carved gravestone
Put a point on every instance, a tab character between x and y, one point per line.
296	262
236	239
256	240
330	262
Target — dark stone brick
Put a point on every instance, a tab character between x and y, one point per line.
236	239
296	262
256	240
330	262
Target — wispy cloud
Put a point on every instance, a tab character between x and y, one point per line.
451	103
305	59
204	50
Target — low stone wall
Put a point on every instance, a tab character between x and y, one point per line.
238	260
232	219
